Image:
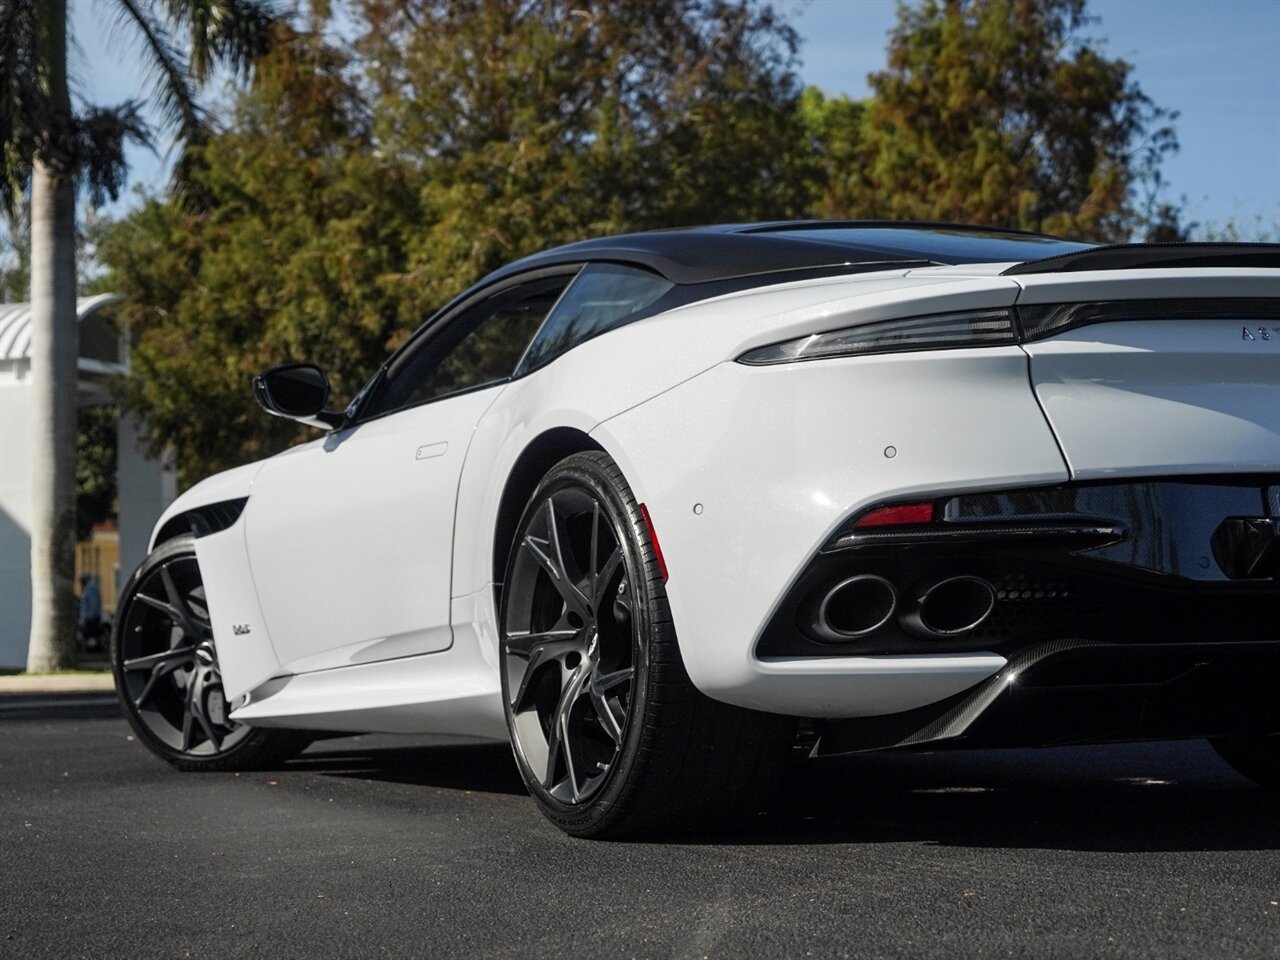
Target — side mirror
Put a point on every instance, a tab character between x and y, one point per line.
297	391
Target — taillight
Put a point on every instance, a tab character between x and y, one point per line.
970	328
1046	319
897	515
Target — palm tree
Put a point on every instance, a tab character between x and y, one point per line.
50	152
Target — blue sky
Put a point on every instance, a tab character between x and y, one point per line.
1217	62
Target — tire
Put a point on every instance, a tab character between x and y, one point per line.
1257	758
611	736
166	672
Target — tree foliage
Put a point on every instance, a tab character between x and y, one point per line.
15	260
528	124
1000	112
96	446
353	191
293	252
346	200
181	41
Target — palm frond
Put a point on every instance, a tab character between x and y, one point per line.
229	32
169	71
100	137
19	100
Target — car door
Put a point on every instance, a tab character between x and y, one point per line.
350	538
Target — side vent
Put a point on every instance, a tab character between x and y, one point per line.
202	521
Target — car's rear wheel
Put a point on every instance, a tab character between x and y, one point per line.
1257	758
609	733
166	672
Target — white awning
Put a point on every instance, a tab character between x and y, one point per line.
15	331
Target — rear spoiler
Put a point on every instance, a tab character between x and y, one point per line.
1135	256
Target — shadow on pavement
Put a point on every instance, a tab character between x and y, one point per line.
1164	797
99	705
484	767
1132	798
1155	797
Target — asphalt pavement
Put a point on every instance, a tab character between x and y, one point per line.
422	847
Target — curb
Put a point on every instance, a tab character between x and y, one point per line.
57	683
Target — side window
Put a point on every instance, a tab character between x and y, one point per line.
478	346
602	297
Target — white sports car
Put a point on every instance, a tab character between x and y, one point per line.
667	509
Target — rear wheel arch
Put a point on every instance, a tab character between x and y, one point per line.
542	453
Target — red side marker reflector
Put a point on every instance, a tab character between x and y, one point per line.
897	516
653	536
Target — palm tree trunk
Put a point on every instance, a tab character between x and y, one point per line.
54	346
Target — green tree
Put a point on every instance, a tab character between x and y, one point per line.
95	467
15	260
346	199
833	125
533	123
47	150
1002	112
295	252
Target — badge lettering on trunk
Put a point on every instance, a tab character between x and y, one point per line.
1263	333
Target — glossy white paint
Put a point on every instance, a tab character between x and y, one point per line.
1157	398
246	659
1152	398
873	685
778	457
448	693
350	537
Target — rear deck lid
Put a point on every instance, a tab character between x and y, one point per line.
1157	372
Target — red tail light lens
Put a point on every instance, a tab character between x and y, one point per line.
896	516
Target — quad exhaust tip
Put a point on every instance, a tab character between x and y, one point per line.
951	607
857	606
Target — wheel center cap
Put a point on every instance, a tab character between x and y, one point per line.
205	654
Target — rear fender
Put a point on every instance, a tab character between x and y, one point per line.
747	470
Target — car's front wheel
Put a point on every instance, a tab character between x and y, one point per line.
166	671
610	735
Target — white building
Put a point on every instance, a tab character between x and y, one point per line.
145	486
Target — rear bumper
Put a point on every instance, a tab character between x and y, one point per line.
1072	692
1131	562
1120	612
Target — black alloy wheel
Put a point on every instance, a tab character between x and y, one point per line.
591	670
569	647
166	671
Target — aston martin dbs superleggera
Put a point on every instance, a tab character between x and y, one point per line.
668	510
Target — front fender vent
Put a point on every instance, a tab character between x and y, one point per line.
202	521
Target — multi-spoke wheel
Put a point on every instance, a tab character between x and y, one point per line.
166	671
590	671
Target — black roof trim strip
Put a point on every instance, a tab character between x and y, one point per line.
1135	256
779	225
699	256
